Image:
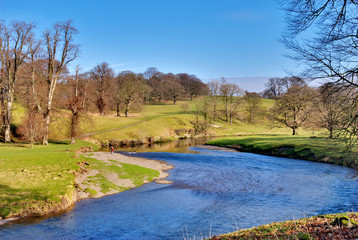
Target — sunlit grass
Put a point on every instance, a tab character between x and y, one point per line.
302	147
33	178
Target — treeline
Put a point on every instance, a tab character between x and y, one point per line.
331	106
34	71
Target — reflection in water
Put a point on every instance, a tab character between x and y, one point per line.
179	146
213	192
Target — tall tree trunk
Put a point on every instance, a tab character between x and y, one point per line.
126	111
46	129
8	115
74	125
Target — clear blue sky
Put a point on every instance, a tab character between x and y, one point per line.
208	38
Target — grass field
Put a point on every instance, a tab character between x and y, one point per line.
36	180
30	179
162	121
300	147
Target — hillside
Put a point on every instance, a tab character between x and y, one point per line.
158	121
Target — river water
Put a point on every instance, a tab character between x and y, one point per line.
213	192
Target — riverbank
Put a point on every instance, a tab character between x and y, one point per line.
105	174
47	179
318	149
331	226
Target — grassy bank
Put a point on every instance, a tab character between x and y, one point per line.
39	180
332	226
300	147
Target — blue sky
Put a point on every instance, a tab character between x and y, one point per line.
235	39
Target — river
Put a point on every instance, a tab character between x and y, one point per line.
213	192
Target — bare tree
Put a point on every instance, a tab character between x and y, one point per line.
132	88
172	89
229	92
76	103
156	82
253	101
214	93
331	107
192	85
294	106
14	48
329	51
60	51
31	129
102	77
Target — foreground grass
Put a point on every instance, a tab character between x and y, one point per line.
34	180
300	147
331	226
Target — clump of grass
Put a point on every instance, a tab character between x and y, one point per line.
91	191
317	227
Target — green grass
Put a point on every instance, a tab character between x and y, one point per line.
34	179
137	174
301	147
317	227
160	121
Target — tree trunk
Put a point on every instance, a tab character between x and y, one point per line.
331	133
227	111
293	131
73	129
118	110
8	112
46	129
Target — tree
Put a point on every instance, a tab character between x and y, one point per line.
60	51
253	101
31	129
323	36
14	48
331	107
132	88
102	77
172	89
76	102
192	85
330	47
229	92
155	81
214	93
294	106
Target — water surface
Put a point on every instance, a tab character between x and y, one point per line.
213	192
